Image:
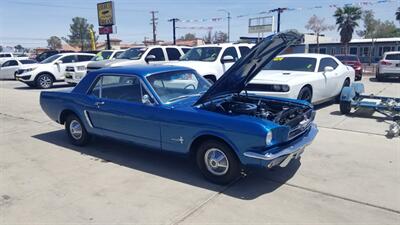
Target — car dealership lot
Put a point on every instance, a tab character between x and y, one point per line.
350	174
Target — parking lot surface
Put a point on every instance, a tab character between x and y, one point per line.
349	175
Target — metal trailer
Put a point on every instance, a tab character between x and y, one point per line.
352	98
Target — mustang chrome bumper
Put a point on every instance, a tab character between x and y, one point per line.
295	149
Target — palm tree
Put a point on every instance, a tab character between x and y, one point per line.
346	19
398	14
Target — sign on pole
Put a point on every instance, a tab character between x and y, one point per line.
260	25
106	30
106	13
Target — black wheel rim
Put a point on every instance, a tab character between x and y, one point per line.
306	96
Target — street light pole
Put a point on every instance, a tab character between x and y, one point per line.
229	21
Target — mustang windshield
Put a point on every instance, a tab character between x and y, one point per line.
132	53
305	64
207	54
174	86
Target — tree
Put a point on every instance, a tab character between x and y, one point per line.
398	14
208	37
19	48
317	25
376	28
188	36
347	20
1	48
80	34
54	43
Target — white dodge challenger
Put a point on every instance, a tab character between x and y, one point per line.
312	77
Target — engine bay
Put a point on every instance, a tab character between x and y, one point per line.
282	113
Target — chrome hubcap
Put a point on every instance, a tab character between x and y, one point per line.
45	81
216	161
75	129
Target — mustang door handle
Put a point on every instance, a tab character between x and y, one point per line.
98	104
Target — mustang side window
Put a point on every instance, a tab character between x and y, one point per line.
125	88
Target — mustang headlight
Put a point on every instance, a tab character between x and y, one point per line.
268	138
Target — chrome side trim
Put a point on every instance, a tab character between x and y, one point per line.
87	118
298	145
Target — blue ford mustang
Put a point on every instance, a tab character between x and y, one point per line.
174	109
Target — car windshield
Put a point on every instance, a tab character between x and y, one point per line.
292	64
344	58
207	54
50	59
174	86
132	53
103	55
27	61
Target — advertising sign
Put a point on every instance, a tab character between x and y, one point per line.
261	25
106	30
106	13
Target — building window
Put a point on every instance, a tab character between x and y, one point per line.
386	49
365	51
353	51
322	50
332	51
398	48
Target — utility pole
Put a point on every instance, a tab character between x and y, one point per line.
279	10
174	20
154	23
229	21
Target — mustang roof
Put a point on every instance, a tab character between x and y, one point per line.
142	70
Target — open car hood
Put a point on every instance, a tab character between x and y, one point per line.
246	68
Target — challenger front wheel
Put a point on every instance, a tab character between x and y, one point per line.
217	162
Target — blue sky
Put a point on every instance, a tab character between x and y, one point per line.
31	22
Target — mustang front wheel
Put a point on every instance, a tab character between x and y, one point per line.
217	162
76	131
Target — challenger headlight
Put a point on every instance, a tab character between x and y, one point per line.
268	138
29	69
280	88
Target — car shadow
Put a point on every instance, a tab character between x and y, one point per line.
55	86
386	80
174	167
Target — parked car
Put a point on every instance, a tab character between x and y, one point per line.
173	109
353	61
389	66
211	61
44	55
107	54
314	78
9	68
5	56
52	69
142	55
74	74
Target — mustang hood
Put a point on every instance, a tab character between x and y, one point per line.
236	78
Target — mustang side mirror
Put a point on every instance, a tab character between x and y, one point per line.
146	100
150	58
328	69
227	59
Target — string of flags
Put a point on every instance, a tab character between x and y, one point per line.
196	28
332	6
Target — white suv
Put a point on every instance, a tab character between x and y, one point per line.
142	55
211	61
389	66
52	69
74	73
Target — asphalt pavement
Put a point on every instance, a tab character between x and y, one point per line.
349	175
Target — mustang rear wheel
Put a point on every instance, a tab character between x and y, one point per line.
217	162
76	131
